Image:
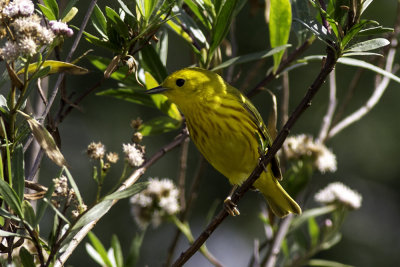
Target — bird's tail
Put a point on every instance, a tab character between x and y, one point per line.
278	199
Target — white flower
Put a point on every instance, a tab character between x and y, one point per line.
300	146
19	7
158	200
10	51
60	28
338	192
96	150
133	155
27	46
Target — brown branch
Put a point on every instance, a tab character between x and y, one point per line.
304	104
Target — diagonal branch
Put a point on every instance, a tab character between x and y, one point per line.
304	104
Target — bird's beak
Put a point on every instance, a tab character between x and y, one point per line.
156	90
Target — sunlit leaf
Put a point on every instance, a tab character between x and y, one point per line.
70	15
99	21
53	6
152	63
127	192
368	45
47	12
66	17
100	249
117	250
56	67
45	140
11	198
198	9
94	213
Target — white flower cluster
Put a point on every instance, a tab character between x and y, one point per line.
300	146
158	200
96	150
60	28
134	154
19	7
61	185
338	192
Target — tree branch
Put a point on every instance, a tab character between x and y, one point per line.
304	104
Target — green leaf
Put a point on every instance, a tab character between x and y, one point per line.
149	6
326	263
129	95
94	213
26	257
116	246
313	231
125	8
127	192
351	54
18	171
152	63
332	241
159	125
375	31
199	10
52	4
6	234
59	214
41	208
368	45
134	251
73	185
119	24
11	198
99	21
315	212
55	67
66	17
280	20
47	12
29	213
100	249
221	26
6	214
365	4
250	57
45	140
355	30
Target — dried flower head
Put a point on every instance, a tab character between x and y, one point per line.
112	157
137	137
96	150
61	185
338	192
134	154
135	124
60	28
158	201
303	146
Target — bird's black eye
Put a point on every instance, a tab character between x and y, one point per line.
180	82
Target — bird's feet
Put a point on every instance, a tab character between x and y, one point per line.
231	207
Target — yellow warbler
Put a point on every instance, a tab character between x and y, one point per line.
227	129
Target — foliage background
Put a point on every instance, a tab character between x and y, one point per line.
367	153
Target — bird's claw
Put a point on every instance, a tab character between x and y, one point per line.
231	207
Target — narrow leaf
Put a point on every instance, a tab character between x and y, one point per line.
159	125
152	63
280	20
127	192
59	214
94	213
298	221
56	67
70	15
73	185
11	198
98	246
99	21
198	9
45	140
29	213
18	170
368	45
43	204
119	24
326	263
134	251
250	57
94	254
52	4
117	250
67	10
6	234
313	231
47	12
130	96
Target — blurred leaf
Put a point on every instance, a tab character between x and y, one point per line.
11	198
280	20
6	234
178	30
120	25
45	140
152	63
100	249
94	213
125	8
42	205
368	45
134	251
162	47
47	12
198	10
221	26
149	6
332	241
250	57
53	6
130	96
117	250
99	21
73	185
3	105
127	192
69	11
326	263
313	230
159	125
54	208
29	213
6	214
26	257
94	254
55	67
18	171
315	212
365	4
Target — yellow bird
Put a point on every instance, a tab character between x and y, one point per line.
227	129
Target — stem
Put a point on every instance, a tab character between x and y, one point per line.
304	104
326	123
182	172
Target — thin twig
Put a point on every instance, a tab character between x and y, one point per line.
327	120
372	101
182	172
304	104
80	235
285	99
273	252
